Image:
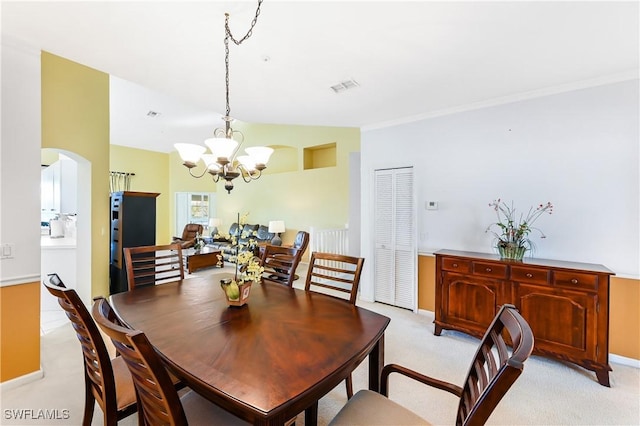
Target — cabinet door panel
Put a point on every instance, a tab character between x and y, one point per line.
470	301
562	321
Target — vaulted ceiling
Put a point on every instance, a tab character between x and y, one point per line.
410	59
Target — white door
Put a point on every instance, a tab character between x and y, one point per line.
395	243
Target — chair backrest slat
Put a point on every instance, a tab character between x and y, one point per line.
335	272
151	265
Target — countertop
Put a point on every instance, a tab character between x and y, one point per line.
47	242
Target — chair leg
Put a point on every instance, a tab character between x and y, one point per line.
89	402
349	384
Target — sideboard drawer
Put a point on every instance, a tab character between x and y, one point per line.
575	279
456	265
492	270
530	275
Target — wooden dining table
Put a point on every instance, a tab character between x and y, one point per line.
266	361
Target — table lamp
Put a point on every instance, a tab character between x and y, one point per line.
276	227
214	222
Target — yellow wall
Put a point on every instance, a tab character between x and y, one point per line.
624	308
427	283
624	317
285	191
302	198
20	330
75	117
151	175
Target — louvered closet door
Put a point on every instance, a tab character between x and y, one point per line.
395	253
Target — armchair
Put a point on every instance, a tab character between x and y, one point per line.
493	370
189	233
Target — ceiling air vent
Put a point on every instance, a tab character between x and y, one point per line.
344	85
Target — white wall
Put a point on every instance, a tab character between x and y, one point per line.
579	150
20	161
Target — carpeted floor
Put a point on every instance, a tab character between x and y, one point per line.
548	392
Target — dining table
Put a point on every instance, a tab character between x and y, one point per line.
265	362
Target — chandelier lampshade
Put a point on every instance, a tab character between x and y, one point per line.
222	148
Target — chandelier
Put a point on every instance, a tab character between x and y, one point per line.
224	162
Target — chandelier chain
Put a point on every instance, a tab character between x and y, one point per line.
249	33
228	36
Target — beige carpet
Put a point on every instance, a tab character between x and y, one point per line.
548	392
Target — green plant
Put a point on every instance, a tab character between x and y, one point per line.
513	229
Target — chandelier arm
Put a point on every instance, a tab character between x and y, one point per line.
198	176
232	158
246	175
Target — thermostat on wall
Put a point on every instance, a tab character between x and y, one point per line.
431	205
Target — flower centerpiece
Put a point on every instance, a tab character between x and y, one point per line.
247	271
512	234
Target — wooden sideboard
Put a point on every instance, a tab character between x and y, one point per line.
565	303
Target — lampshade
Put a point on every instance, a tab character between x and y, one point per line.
221	147
276	226
190	153
214	222
259	154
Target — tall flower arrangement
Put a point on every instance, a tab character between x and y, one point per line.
248	268
512	230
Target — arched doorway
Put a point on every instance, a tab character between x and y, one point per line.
69	256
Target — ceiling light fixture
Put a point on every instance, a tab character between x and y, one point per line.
223	162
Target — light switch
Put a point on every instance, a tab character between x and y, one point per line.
8	251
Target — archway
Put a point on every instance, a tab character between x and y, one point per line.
70	258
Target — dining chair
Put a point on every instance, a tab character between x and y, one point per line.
158	401
301	241
335	274
494	368
151	265
106	380
280	264
188	237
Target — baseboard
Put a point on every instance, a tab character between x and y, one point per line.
22	380
622	360
616	359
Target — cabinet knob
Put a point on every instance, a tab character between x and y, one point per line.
455	265
488	269
574	281
529	275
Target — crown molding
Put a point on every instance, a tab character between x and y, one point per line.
518	97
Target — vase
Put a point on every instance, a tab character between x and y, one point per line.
244	290
511	252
